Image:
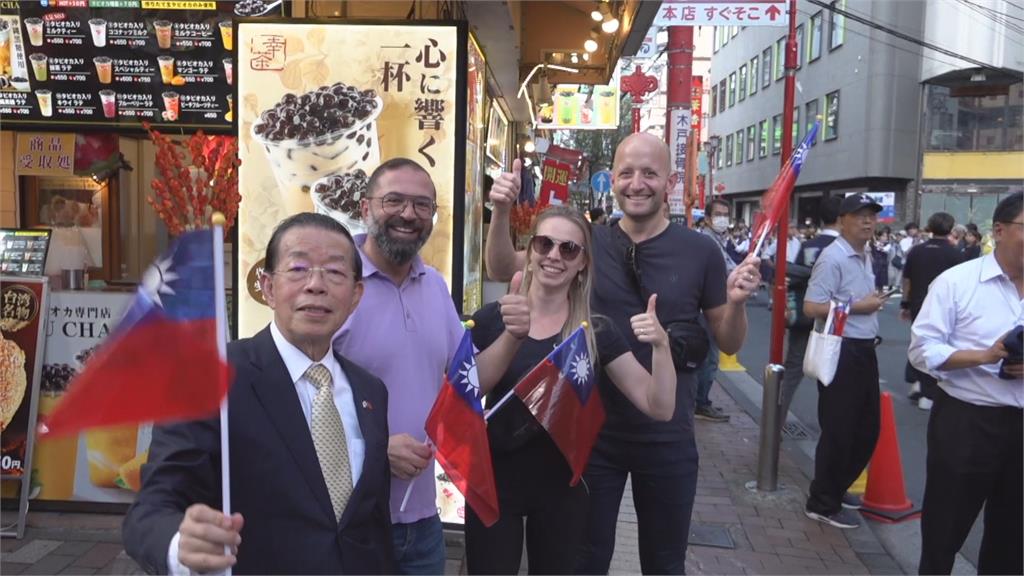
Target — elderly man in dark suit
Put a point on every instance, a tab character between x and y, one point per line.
308	438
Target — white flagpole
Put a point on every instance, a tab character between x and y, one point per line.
220	301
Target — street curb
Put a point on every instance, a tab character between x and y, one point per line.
747	393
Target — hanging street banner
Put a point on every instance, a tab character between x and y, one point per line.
705	13
554	189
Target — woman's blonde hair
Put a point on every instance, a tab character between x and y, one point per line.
579	290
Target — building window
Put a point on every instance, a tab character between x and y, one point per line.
714	101
725	35
743	83
766	67
721	96
814	47
780	58
732	90
728	150
796	126
762	151
751	142
718	159
836	25
739	146
832	115
718	40
800	46
776	134
811	116
753	75
735	31
976	122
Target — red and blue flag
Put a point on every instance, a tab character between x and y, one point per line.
782	187
161	362
456	427
561	394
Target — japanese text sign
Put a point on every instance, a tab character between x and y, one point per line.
704	13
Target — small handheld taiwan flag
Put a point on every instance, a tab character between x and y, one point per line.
456	427
162	361
561	394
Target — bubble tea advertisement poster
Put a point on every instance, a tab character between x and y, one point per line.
321	105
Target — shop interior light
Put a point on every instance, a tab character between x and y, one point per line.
575	58
529	147
586	56
596	15
610	25
591	44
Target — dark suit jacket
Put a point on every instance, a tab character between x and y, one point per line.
276	482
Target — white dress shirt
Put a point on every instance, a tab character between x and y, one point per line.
968	307
297	363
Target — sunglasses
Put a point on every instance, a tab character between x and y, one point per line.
567	249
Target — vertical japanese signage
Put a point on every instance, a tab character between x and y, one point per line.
678	137
112	64
45	154
697	90
472	271
320	106
22	309
101	464
554	187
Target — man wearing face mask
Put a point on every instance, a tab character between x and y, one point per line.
406	307
718	210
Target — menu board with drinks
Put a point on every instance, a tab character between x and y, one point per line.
113	64
23	252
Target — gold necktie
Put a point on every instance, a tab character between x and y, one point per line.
329	439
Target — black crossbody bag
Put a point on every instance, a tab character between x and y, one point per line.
688	339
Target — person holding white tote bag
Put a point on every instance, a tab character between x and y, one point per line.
848	406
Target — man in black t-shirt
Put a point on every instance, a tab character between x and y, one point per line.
923	264
645	254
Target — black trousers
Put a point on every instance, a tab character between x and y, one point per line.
975	456
533	485
848	414
664	476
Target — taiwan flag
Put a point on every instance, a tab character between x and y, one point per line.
456	427
161	362
772	200
561	394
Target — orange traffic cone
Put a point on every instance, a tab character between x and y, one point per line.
886	498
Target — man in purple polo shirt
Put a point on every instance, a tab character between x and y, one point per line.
405	331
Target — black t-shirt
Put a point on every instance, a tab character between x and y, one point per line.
513	425
687	272
923	264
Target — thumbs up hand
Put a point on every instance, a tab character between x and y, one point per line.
646	326
515	309
505	190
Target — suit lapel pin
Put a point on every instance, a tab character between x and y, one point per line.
367	405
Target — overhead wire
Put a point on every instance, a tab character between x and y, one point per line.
902	35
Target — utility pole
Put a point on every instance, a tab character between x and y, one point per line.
779	288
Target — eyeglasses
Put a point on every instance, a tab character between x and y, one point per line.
567	249
299	273
394	204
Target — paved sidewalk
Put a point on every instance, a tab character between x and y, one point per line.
735	531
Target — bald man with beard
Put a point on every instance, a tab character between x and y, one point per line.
640	255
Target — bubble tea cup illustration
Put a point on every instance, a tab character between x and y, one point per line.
39	66
98	27
104	69
34	26
330	130
227	35
172	105
108	98
45	99
107	449
166	68
163	34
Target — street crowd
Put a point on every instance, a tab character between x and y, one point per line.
330	400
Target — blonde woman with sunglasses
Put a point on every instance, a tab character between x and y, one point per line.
531	474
